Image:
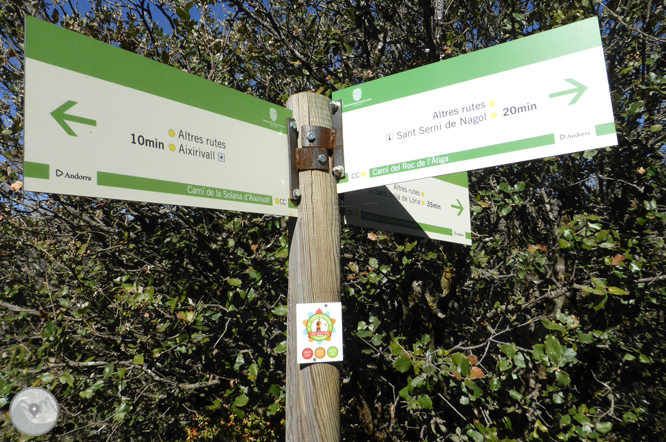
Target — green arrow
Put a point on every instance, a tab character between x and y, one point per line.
60	116
579	90
459	207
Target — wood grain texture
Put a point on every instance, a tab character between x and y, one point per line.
313	391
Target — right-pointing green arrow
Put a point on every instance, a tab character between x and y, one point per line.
579	90
459	207
60	116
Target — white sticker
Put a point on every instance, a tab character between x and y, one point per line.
319	337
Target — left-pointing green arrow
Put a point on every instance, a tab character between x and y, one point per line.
60	116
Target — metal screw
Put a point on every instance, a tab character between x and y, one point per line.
338	171
296	194
292	125
322	158
334	107
311	137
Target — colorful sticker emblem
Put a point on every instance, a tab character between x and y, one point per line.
319	327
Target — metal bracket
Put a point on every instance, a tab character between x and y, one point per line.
317	141
292	141
318	144
338	150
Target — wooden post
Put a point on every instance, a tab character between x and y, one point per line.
313	391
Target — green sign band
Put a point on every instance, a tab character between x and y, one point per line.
36	170
459	179
409	224
66	49
522	52
479	152
171	187
605	129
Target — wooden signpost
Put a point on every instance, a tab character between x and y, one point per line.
101	122
313	391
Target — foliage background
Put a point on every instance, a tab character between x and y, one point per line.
154	322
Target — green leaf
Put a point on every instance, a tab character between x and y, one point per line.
563	378
403	363
280	310
108	371
505	210
505	364
241	400
405	393
86	394
457	358
240	360
281	347
603	427
372	262
519	360
254	274
550	325
465	369
138	359
425	402
565	420
67	378
475	435
508	349
515	395
644	359
553	349
46	378
589	154
182	14
601	304
629	418
585	338
234	282
617	291
537	352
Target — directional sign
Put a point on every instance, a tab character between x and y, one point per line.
535	97
436	208
105	123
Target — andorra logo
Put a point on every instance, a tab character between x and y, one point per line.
319	326
273	114
357	94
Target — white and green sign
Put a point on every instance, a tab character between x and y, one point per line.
436	208
105	123
534	97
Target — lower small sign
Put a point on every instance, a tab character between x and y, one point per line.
320	339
